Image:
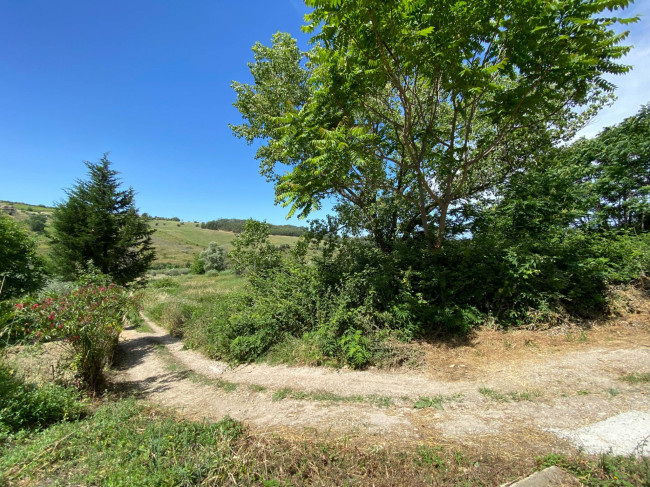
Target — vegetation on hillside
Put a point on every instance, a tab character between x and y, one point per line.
237	226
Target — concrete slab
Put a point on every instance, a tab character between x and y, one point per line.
549	477
624	434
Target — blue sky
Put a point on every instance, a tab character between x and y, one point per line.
149	81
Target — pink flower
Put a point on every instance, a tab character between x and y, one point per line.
20	305
35	306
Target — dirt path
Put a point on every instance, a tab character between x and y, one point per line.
536	399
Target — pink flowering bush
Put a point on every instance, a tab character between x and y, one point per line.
87	320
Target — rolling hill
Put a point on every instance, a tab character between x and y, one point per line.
176	242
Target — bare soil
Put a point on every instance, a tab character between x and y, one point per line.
505	391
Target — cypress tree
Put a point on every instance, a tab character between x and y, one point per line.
100	223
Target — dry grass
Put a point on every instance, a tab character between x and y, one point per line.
40	363
476	355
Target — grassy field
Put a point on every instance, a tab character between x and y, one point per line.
176	243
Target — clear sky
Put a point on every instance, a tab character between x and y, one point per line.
149	81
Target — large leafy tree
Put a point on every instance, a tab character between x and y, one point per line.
21	270
404	109
100	223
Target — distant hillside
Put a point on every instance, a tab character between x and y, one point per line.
237	225
176	242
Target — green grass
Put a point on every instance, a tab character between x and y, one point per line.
606	471
127	442
185	306
124	443
435	402
636	378
331	397
509	396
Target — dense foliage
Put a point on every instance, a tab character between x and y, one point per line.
237	226
100	223
252	253
37	222
21	270
24	405
402	110
436	128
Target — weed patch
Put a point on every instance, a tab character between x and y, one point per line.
510	396
325	396
636	378
608	470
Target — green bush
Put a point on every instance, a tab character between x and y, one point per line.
87	320
29	406
37	223
213	258
197	265
21	270
252	253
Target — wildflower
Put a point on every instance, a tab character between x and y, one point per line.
35	306
20	305
38	334
51	316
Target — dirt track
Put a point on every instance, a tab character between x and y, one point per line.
525	396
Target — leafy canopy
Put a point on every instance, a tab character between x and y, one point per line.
402	110
100	223
21	269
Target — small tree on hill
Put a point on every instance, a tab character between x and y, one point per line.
100	223
213	258
37	223
252	252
